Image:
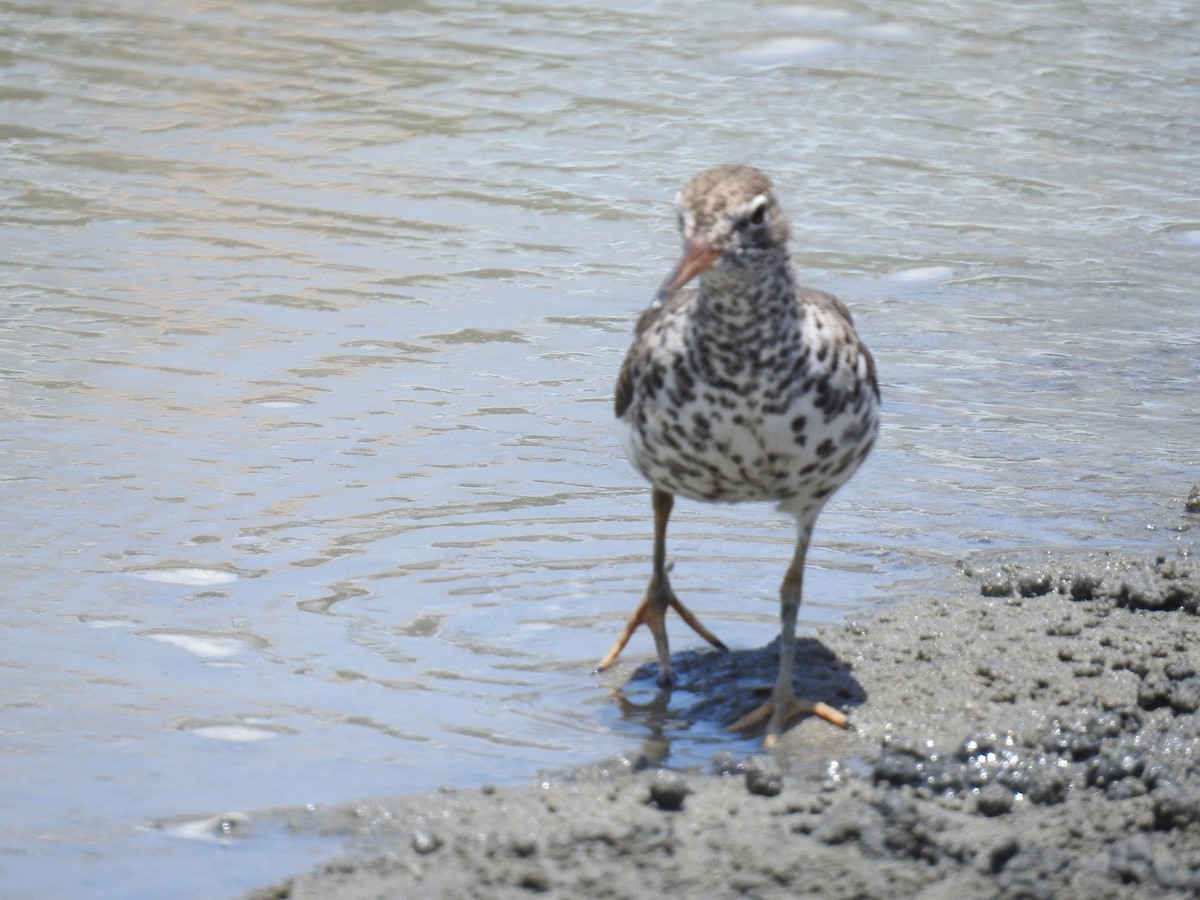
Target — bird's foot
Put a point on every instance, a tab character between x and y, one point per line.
652	612
688	616
778	714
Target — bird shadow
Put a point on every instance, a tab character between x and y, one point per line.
720	686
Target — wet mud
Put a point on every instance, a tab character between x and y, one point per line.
1027	729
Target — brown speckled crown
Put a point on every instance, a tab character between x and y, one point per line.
720	188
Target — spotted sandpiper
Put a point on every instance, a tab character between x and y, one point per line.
746	387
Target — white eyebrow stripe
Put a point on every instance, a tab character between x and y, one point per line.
750	205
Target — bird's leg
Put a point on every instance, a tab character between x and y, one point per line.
784	705
652	611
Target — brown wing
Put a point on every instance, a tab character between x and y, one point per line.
833	304
624	392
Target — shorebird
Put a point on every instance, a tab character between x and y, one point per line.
746	387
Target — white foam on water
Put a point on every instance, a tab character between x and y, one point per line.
187	576
216	829
236	734
922	273
203	645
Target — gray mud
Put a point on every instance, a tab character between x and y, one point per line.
1030	730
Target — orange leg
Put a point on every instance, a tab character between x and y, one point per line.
784	705
652	611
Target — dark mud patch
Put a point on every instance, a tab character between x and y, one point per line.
1028	730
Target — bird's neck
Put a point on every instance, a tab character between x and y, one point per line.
732	296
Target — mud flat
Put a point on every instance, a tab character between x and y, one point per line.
1029	728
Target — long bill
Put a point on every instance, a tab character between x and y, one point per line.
697	257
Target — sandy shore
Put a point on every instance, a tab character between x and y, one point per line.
1029	729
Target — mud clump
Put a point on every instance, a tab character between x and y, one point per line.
668	791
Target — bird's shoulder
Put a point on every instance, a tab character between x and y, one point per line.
824	300
650	316
831	305
660	309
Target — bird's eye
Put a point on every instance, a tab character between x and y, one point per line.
759	215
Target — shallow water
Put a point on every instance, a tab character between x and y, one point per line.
312	315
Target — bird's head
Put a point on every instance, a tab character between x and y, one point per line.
729	218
